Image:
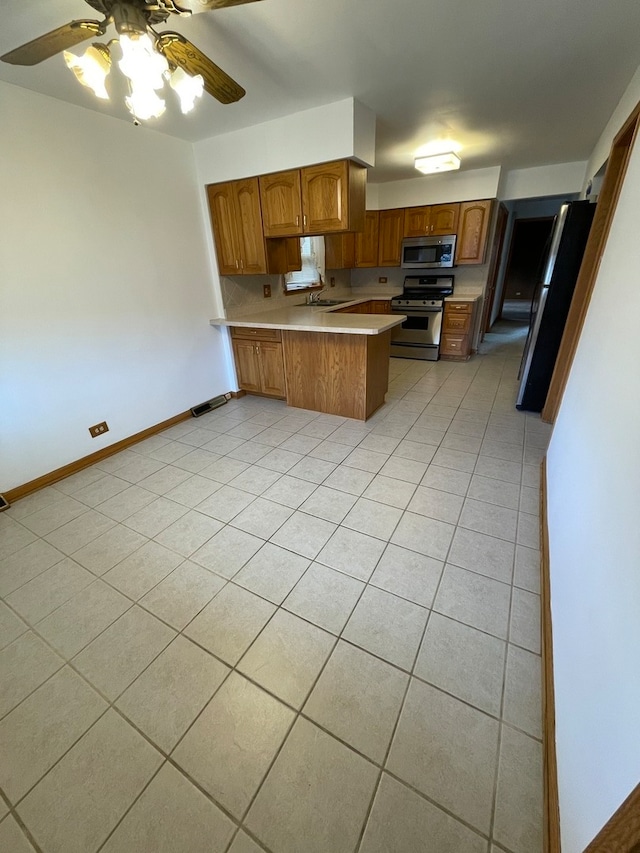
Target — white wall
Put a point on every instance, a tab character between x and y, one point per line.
340	130
437	189
593	471
105	284
556	179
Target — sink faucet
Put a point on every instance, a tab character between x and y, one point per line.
314	296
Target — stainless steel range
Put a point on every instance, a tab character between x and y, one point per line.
422	301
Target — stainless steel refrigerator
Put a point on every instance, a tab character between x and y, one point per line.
551	302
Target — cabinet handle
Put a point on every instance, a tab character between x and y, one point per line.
237	264
297	221
304	220
241	264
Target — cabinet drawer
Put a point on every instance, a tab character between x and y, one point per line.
453	345
256	334
457	323
458	307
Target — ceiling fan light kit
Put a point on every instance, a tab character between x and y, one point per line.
149	59
446	162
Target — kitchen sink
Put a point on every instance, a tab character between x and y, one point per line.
324	302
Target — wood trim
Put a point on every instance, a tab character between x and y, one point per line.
621	833
607	202
73	467
551	809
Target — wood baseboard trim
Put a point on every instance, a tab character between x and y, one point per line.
73	467
550	767
621	833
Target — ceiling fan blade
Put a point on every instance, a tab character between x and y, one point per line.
195	6
217	83
51	43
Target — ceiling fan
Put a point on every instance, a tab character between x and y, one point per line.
148	56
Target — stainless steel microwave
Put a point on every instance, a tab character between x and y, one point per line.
428	252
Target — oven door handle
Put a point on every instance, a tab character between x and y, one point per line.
410	311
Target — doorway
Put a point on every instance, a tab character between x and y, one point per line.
527	251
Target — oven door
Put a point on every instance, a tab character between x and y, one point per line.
419	336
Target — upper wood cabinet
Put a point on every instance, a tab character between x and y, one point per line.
390	231
340	251
314	200
473	228
434	219
237	227
367	241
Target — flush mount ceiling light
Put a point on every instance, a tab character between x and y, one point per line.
446	162
148	59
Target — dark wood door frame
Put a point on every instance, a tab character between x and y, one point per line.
607	201
498	242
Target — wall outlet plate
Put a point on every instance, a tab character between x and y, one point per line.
382	279
98	429
266	290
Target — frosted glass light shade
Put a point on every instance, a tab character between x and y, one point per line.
446	162
187	88
92	68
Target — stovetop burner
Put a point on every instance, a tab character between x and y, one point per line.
423	289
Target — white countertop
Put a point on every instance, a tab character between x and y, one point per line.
309	318
462	298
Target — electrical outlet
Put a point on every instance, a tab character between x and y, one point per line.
98	429
332	281
266	290
382	279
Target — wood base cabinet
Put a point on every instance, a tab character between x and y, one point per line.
259	362
457	330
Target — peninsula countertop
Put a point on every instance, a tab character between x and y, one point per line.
311	318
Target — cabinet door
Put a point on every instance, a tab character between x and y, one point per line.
390	231
281	204
247	365
380	306
223	219
367	241
340	251
272	369
416	221
325	197
444	219
472	231
249	227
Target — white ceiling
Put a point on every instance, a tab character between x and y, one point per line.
516	83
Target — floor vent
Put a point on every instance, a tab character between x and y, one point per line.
209	406
4	503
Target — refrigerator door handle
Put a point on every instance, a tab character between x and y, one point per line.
531	344
555	243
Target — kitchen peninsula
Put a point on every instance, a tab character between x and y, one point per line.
316	358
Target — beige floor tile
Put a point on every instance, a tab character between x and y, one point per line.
387	626
73	809
103	489
243	844
166	698
44	594
437	504
448	751
108	550
518	813
330	504
229	748
415	450
482	553
408	574
13	536
528	530
12	838
325	597
279	460
262	518
317	790
289	491
55	514
227	551
488	518
139	468
11	626
154	517
24	665
124	504
79	532
373	518
464	662
403	822
304	534
527	569
494	491
475	600
230	623
193	491
525	620
522	703
172	816
287	657
387	490
196	461
32	503
406	470
82	618
142	570
500	469
350	480
189	532
424	535
446	480
182	594
352	552
26	564
312	470
165	479
330	451
43	727
225	503
358	698
116	657
272	572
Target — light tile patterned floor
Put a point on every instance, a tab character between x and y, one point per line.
268	629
